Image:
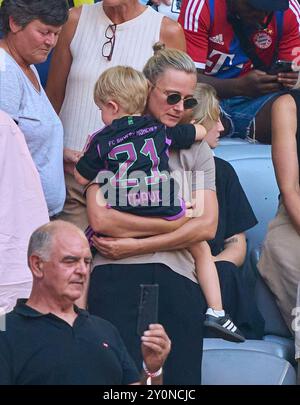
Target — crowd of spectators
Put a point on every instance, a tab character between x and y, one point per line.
216	70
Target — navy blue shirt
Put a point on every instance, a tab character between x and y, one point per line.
44	349
134	150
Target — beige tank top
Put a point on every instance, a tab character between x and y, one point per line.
133	46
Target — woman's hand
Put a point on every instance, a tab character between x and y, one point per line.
116	248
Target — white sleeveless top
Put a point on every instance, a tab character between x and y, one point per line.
133	46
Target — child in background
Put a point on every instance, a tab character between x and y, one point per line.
132	142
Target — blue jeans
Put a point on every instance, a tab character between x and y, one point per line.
241	112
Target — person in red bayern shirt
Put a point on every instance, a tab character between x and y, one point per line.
235	45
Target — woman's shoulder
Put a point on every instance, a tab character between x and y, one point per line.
172	34
287	100
70	27
202	148
201	155
74	15
286	104
6	60
198	150
76	12
10	71
198	157
5	119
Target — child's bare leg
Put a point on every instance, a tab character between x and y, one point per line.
215	317
207	275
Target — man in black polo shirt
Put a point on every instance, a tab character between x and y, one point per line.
49	340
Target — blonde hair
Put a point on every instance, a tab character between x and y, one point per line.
167	58
208	108
124	85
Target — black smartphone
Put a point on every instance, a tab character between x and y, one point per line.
148	308
281	66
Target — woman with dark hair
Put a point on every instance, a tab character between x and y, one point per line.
31	29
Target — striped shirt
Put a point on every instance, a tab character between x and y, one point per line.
214	47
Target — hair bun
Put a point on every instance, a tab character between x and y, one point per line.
158	46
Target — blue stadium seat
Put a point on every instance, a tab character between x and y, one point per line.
240	366
254	167
271	360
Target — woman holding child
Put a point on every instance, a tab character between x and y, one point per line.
137	275
162	259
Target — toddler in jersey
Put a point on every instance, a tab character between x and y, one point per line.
132	151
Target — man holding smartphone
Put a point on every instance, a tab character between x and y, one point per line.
48	340
235	45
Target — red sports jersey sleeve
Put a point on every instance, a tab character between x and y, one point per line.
195	20
290	39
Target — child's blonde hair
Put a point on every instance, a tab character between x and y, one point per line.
124	85
208	108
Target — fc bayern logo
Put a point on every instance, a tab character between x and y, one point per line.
263	40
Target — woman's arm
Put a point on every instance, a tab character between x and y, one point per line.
61	61
198	229
284	154
234	250
123	225
172	35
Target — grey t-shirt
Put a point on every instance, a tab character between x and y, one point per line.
196	168
40	125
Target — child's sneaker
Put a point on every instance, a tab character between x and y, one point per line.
224	328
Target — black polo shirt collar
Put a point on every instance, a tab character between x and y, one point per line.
22	309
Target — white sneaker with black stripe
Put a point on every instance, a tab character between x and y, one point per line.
224	328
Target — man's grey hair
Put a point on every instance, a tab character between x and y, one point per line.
42	239
40	242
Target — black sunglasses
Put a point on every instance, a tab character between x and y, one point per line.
108	46
188	103
174	98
